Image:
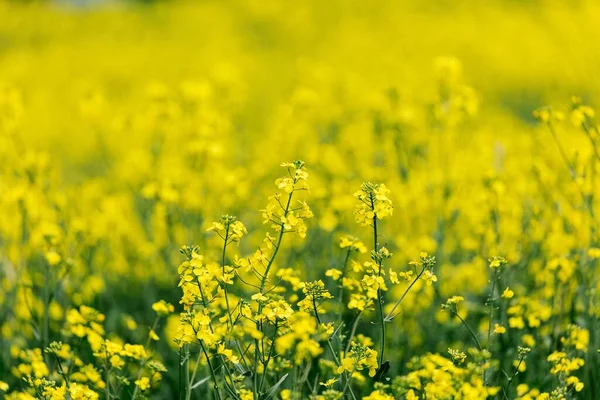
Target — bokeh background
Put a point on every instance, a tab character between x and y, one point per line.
127	127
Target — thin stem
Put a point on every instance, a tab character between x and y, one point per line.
191	380
328	341
341	286
268	360
212	371
512	377
184	371
382	327
61	371
389	316
276	250
107	394
352	332
46	318
223	284
330	346
347	385
491	313
469	328
204	303
491	318
379	291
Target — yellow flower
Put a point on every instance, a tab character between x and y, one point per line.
334	273
594	252
497	262
153	335
162	308
499	329
373	203
329	383
528	340
455	300
378	395
353	244
259	297
346	365
522	365
508	294
246	394
52	258
143	383
516	322
116	361
429	277
410	395
227	353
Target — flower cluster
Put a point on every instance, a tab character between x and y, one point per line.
374	203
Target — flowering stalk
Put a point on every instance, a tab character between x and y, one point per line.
255	387
374	204
277	245
234	230
285	221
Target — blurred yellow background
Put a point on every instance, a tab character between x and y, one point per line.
517	54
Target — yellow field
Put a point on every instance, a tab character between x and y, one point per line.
300	200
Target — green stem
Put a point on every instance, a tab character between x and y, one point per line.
379	291
265	276
266	363
470	330
512	377
491	318
61	371
389	316
352	332
347	385
196	365
491	313
184	371
227	371
341	286
330	346
212	371
382	326
46	318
